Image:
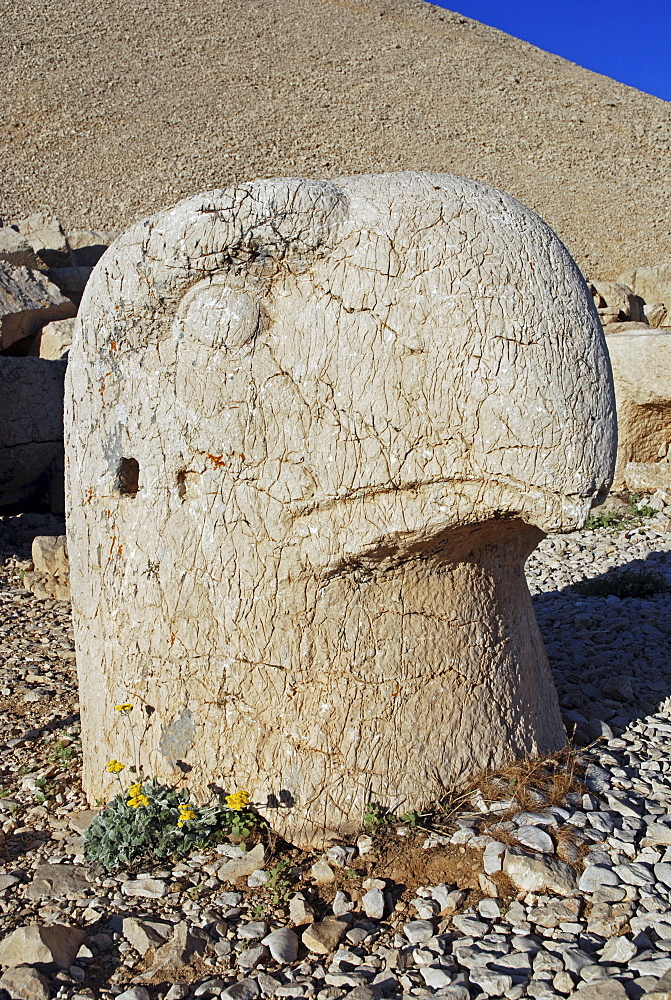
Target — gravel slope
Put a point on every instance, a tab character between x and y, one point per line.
110	111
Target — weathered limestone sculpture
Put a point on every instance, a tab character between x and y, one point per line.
313	431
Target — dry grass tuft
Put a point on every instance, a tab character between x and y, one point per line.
530	783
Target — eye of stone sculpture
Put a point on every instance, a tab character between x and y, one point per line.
217	316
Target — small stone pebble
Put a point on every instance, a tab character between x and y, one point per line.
373	903
253	931
252	956
341	904
418	931
535	838
282	944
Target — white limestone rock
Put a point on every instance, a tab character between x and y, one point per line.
23	982
657	314
616	302
15	248
372	903
54	339
282	944
145	888
88	245
652	284
50	555
300	911
316	428
237	868
28	300
145	934
619	950
50	576
535	839
535	873
642	376
46	236
43	945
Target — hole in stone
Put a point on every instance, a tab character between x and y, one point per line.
181	484
129	475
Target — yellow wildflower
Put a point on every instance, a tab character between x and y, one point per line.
138	800
238	800
186	812
135	790
114	766
125	708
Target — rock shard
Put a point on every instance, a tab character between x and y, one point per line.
313	430
28	300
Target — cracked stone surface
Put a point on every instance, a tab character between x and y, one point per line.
313	432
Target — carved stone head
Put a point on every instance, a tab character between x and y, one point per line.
314	429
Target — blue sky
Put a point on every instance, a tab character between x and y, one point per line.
628	41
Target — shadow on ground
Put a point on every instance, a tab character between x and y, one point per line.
610	657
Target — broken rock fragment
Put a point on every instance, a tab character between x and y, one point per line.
54	340
50	576
59	881
323	937
28	300
23	982
42	945
533	873
47	238
15	248
642	377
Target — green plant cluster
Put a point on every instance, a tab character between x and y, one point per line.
280	883
624	583
376	818
63	755
620	520
124	833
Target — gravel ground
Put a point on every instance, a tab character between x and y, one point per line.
109	112
518	897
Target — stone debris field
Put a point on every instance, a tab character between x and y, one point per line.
503	897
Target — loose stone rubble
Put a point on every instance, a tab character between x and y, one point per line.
28	300
638	300
181	931
43	272
652	287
